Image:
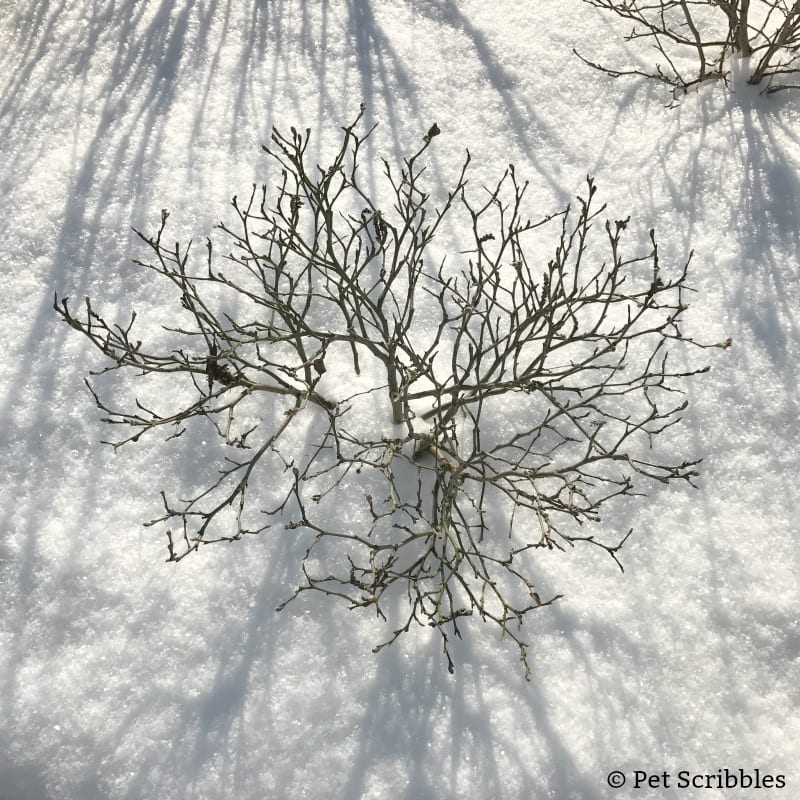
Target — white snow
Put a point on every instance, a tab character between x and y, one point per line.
122	676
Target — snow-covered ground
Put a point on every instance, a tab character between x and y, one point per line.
122	676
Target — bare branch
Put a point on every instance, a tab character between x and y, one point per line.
509	397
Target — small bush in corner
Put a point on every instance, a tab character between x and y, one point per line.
696	40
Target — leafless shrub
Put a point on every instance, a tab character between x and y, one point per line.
696	40
458	416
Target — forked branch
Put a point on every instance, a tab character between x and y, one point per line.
512	389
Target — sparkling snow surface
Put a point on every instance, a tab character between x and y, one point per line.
122	676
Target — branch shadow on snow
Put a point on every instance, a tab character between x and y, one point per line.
453	735
269	715
531	132
49	430
740	172
727	166
766	293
